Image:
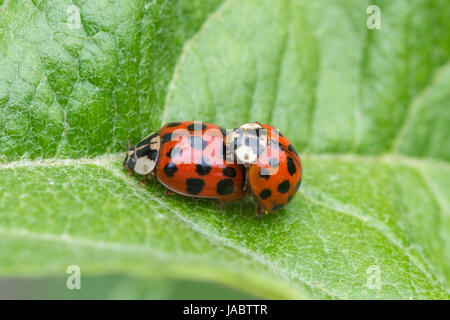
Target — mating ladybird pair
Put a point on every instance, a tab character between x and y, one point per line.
204	160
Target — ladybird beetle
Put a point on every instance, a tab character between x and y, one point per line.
189	158
274	167
204	160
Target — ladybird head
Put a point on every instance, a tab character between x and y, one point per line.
130	158
247	141
142	157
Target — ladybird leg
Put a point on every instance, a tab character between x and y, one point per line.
221	205
246	185
259	211
167	192
147	179
144	182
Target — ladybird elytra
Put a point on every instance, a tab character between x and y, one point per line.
274	181
191	161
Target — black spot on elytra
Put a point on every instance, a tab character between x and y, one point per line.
225	187
229	172
265	194
291	166
170	168
283	187
166	138
292	149
264	173
298	184
174	152
195	126
202	169
194	186
223	131
173	124
280	134
198	143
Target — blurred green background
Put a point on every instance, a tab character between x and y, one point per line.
116	287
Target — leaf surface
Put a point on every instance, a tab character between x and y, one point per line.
368	108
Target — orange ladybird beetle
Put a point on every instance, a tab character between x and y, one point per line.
274	171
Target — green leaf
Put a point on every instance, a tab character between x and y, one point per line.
69	90
368	108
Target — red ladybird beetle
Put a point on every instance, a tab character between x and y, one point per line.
274	171
189	158
204	160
